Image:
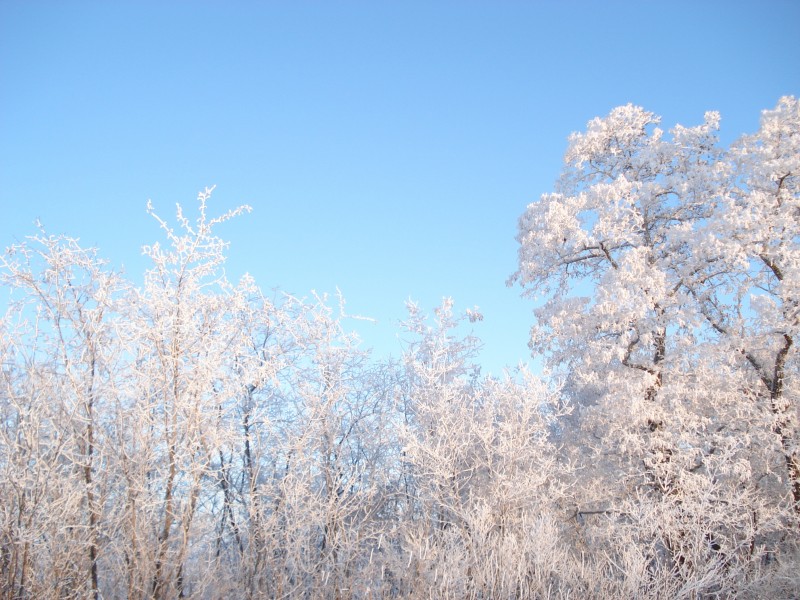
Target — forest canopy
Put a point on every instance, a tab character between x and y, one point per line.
196	437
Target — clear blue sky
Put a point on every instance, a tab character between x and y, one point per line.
387	148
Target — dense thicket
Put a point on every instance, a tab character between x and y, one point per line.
193	437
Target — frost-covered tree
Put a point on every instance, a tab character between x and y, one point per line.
321	448
667	267
60	346
181	337
749	292
481	475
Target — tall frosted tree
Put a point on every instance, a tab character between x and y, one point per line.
666	269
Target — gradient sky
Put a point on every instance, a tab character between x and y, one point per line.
386	148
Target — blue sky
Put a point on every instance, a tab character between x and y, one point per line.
386	148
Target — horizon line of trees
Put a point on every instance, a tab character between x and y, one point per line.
194	437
